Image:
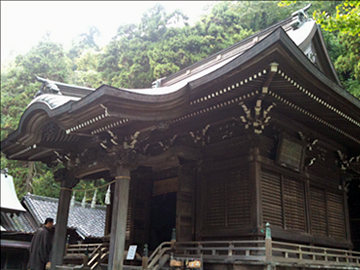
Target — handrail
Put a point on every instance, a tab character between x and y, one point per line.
265	251
221	250
268	251
282	251
158	253
98	256
98	252
158	249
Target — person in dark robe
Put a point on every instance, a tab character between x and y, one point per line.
40	246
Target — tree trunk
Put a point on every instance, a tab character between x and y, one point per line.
28	181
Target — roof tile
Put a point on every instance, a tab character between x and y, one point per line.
88	222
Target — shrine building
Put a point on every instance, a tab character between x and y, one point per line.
252	155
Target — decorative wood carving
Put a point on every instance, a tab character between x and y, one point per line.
48	87
256	117
49	131
66	178
163	125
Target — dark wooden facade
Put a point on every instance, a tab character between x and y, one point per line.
259	132
239	187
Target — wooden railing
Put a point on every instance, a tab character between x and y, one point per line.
158	254
268	251
224	250
286	252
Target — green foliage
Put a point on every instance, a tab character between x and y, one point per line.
84	42
346	20
43	183
258	15
348	63
140	54
85	73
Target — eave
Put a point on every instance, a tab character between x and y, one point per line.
303	86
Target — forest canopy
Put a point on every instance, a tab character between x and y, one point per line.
160	45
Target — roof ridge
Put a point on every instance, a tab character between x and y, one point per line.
230	48
30	195
33	196
64	84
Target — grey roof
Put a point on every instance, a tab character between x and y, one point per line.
17	222
87	222
52	100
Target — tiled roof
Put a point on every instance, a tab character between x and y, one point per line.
87	222
53	101
17	222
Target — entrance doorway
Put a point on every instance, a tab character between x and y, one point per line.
162	218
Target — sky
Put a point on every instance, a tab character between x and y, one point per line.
25	23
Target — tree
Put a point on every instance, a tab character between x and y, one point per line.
140	54
83	42
345	23
340	26
85	73
346	20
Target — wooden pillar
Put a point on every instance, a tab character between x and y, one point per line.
256	202
346	214
59	243
119	218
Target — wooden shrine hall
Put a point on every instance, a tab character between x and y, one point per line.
259	133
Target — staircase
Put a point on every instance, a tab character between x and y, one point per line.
160	256
90	256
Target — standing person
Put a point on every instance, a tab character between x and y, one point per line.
40	246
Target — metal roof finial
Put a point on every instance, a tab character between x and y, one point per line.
300	16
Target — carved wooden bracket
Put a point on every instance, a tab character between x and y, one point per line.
256	117
66	178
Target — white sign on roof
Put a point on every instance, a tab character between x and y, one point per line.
9	200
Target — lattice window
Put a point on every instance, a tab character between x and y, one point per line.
227	198
272	198
318	211
294	205
335	213
283	201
